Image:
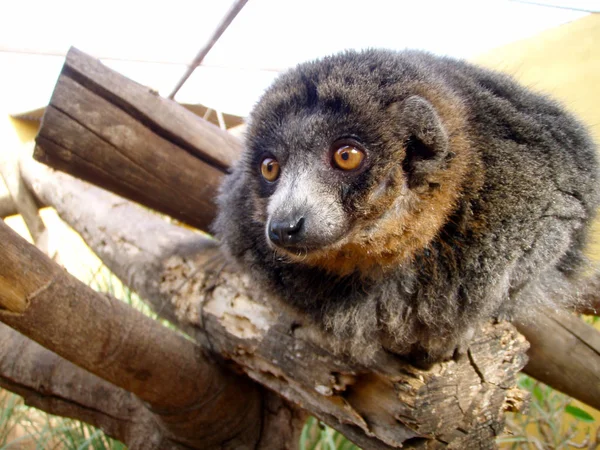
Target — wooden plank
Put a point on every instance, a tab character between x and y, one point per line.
88	136
166	117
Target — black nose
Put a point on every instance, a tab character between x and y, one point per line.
285	233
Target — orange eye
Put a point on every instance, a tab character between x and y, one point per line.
269	168
348	158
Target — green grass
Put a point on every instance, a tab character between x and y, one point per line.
12	412
318	436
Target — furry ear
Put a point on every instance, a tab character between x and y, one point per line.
427	141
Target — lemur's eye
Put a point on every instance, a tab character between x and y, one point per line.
269	168
348	157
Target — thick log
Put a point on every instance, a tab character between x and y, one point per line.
386	405
199	404
103	128
53	384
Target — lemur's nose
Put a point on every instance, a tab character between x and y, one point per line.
286	233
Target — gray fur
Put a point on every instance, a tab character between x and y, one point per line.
514	233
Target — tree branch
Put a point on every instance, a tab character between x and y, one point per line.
565	354
199	404
53	384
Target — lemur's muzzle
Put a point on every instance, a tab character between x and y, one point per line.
286	233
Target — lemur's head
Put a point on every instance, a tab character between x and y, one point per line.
352	164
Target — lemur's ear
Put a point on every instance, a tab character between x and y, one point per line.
426	142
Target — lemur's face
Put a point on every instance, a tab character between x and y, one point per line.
343	179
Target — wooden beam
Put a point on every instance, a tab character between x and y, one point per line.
121	143
174	123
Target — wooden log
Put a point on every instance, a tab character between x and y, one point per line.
53	384
198	403
385	405
108	134
175	124
565	354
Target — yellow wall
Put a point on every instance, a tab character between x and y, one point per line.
563	62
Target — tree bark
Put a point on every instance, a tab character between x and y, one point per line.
565	354
24	201
456	404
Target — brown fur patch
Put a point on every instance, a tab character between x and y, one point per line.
402	221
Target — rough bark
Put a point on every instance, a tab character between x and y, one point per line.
381	406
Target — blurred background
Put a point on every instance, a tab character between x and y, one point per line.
552	46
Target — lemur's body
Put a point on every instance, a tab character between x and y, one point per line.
471	198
